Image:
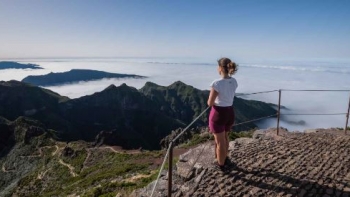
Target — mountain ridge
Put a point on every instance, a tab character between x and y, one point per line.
16	65
144	116
73	76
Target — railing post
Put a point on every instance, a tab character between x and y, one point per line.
170	170
278	112
347	117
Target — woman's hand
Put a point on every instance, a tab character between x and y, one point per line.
212	96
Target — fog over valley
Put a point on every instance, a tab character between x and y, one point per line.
254	76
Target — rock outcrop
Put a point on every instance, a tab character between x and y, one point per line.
290	164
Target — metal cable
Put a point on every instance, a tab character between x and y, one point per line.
255	119
291	90
244	94
314	114
177	137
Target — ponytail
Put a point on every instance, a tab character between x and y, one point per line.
229	67
232	68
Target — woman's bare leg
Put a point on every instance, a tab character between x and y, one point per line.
221	147
215	150
227	142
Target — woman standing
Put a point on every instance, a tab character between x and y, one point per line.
222	116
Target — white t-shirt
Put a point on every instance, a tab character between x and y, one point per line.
226	87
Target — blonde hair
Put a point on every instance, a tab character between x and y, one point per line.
228	66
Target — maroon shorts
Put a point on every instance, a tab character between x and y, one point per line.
221	119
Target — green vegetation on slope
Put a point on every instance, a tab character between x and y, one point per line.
37	165
104	173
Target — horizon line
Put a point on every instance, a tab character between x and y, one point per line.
164	57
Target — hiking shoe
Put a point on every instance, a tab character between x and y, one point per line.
217	166
230	163
227	161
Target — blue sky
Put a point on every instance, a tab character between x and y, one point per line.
152	28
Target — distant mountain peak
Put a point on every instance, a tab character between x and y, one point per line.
111	87
175	85
178	83
85	70
182	87
122	87
74	76
151	84
16	65
14	83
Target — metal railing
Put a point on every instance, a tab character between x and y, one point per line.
310	114
169	152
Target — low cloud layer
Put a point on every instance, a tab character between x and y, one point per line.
251	77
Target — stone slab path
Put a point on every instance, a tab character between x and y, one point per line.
316	163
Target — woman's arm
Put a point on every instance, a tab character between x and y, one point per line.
212	96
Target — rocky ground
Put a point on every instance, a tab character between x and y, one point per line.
314	163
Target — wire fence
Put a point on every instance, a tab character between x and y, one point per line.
278	114
293	90
263	92
324	114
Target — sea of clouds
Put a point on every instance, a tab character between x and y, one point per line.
257	76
